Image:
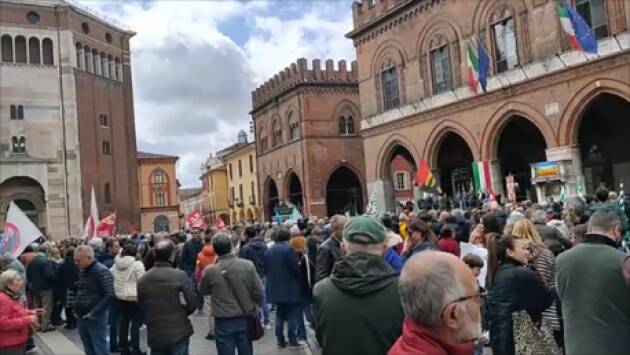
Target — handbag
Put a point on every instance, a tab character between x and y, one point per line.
255	329
530	339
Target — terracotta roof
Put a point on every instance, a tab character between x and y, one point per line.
145	155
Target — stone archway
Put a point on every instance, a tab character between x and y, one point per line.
161	224
28	194
603	140
453	161
518	144
241	216
396	168
270	198
344	192
294	190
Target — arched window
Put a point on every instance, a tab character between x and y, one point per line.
20	49
160	224
276	130
33	51
104	65
504	40
20	112
440	65
96	59
346	125
47	51
389	83
119	71
112	67
159	177
6	47
262	140
294	127
87	53
18	144
80	62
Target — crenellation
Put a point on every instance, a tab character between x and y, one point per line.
299	72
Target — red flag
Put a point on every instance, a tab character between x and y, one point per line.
106	226
219	223
194	220
424	177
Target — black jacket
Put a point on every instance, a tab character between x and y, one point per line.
254	251
329	252
68	274
515	288
159	298
357	310
41	274
188	259
95	290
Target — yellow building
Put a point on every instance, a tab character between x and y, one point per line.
157	186
242	183
215	190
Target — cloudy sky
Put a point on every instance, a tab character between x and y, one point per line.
195	64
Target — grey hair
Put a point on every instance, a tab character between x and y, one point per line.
576	204
425	294
8	276
603	220
222	243
539	216
85	249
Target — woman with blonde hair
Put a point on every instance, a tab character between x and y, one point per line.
545	263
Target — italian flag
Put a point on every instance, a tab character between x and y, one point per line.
472	67
567	26
483	177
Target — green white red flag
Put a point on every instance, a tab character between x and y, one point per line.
482	174
472	67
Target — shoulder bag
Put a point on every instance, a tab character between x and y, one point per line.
530	339
255	329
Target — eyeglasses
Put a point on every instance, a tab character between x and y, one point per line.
481	294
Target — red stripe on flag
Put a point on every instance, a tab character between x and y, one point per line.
486	175
574	43
472	83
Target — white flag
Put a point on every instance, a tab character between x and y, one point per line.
91	224
19	232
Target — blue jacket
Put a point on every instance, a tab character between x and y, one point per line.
418	248
95	290
283	274
393	259
254	251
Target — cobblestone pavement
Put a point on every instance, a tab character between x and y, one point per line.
200	346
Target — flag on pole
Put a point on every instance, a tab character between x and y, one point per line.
106	226
217	223
91	224
424	177
472	68
371	208
484	65
483	177
195	220
19	232
579	34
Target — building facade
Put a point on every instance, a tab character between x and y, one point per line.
159	203
190	199
308	148
66	116
545	101
214	181
242	181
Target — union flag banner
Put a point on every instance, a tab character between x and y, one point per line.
19	232
219	223
106	226
195	220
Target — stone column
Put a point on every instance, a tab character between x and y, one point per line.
573	170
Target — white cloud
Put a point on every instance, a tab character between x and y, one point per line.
192	83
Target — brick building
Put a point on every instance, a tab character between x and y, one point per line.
66	115
308	148
545	101
157	182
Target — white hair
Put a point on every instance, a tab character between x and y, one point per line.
7	277
96	243
85	249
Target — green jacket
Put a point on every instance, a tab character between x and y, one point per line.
595	298
357	309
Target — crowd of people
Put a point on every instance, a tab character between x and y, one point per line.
557	281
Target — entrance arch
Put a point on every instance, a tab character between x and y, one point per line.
294	191
344	193
396	169
250	215
603	139
28	195
160	224
518	144
270	198
453	161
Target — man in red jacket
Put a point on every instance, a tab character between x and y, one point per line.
441	301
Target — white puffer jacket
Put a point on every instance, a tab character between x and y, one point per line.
126	273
